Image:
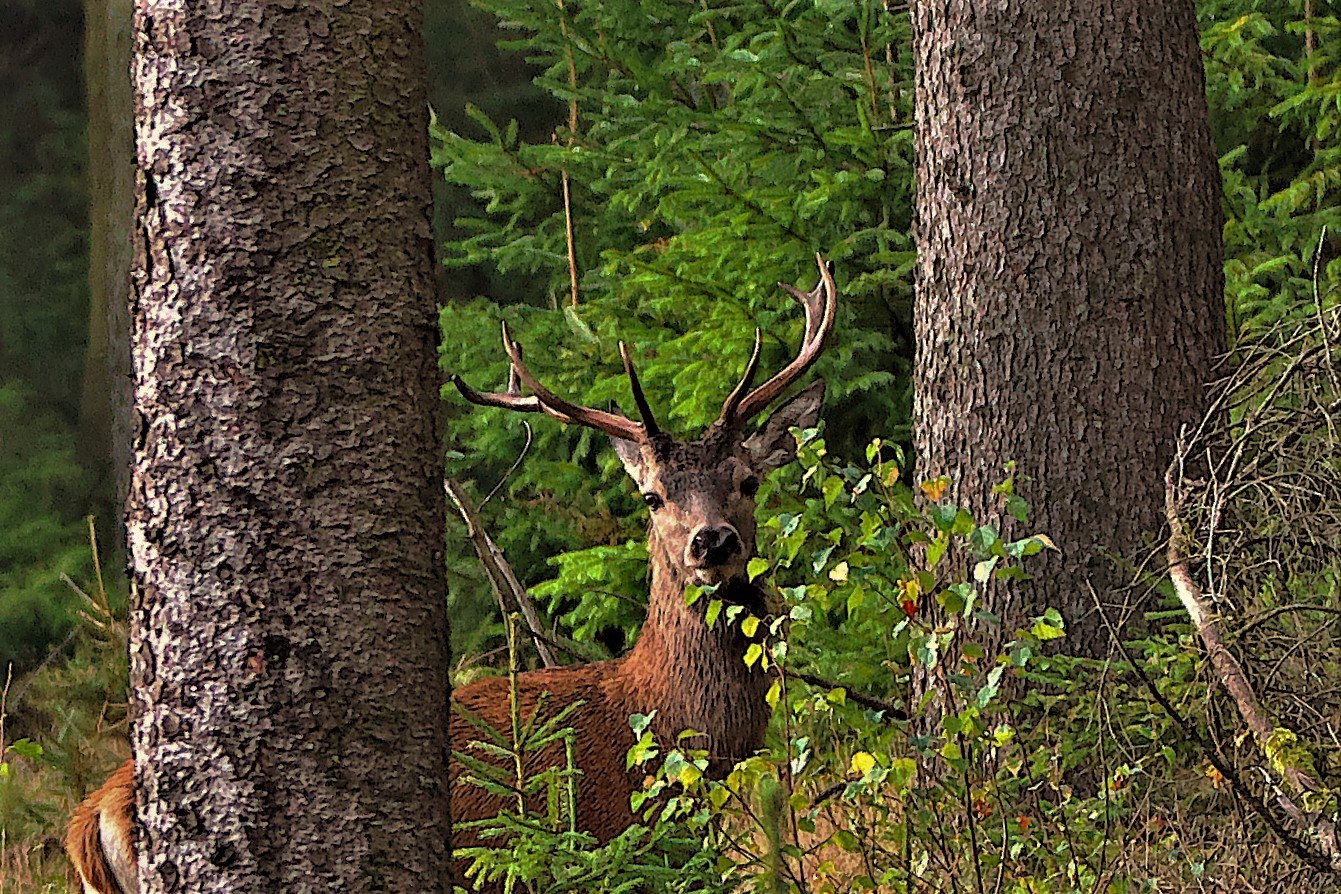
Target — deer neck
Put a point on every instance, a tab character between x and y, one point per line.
694	676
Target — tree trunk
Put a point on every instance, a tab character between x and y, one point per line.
105	407
289	639
1070	294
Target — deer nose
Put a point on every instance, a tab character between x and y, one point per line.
714	546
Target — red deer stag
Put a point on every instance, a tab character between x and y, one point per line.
702	499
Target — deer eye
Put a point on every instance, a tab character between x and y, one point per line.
750	486
653	501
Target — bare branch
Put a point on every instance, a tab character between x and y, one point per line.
1272	739
512	596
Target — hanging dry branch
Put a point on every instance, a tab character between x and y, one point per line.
511	595
1308	802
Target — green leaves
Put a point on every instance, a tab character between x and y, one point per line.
717	151
1048	626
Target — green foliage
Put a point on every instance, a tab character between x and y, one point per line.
1274	84
534	845
43	318
59	738
870	595
715	150
1021	769
38	542
931	764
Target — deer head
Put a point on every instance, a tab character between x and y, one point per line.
702	492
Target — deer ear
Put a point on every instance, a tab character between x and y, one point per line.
631	455
773	445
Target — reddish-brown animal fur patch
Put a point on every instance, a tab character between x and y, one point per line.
113	803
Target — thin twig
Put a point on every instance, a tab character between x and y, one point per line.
570	237
4	705
892	710
1324	327
521	455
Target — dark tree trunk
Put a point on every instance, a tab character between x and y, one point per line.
1070	295
105	407
289	639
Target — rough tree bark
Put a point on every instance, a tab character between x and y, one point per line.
1070	296
289	639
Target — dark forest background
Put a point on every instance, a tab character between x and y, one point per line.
662	205
669	144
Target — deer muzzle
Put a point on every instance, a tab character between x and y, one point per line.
713	553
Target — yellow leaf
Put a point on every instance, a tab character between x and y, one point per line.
935	489
1047	541
862	763
838	573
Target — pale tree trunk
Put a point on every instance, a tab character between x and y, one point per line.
1070	296
105	406
289	639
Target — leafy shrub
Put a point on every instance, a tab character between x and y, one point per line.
923	761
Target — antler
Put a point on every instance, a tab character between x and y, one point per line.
821	306
542	400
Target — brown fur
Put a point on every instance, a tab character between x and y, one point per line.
111	806
692	676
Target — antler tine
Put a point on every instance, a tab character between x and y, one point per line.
511	400
542	400
610	423
821	307
733	399
649	422
514	383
